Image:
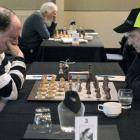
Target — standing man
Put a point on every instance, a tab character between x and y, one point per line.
12	74
131	27
38	26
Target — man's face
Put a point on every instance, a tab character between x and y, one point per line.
49	17
134	39
10	35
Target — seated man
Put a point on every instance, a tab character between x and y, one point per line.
132	27
128	52
38	26
12	74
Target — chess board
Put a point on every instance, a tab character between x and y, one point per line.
57	95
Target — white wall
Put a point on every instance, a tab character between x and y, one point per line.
103	22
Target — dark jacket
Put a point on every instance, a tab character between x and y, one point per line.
33	32
133	77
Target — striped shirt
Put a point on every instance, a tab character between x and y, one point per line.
12	75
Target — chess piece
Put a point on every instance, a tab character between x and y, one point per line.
88	89
80	87
105	82
98	94
66	70
96	83
89	77
107	92
70	85
61	34
90	72
61	72
87	84
78	78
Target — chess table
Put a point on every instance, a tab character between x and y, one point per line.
16	116
51	50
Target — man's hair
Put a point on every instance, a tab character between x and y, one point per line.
5	19
48	7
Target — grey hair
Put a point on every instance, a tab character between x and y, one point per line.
48	7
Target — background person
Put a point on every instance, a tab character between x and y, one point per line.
38	26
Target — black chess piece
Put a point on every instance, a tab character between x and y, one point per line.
60	72
105	82
98	94
107	92
88	89
70	85
96	83
80	87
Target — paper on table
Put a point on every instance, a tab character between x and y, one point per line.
69	40
93	33
54	39
37	77
110	77
86	127
33	77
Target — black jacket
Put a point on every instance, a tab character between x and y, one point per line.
133	77
35	30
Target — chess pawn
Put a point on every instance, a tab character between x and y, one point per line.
80	87
96	83
107	92
70	85
105	82
88	92
56	34
87	84
90	72
88	81
78	78
61	72
88	89
61	34
98	94
65	33
66	71
108	96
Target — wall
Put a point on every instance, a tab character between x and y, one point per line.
103	22
101	19
23	4
100	5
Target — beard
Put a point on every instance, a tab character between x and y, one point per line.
48	23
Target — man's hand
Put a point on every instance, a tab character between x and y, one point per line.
14	49
54	19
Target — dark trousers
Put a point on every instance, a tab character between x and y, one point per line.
30	54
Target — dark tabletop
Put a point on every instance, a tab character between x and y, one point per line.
18	114
55	51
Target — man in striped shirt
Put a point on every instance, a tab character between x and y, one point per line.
12	74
